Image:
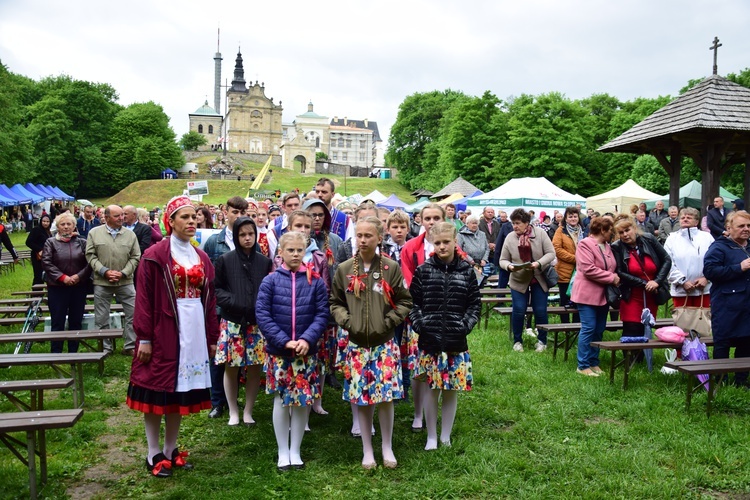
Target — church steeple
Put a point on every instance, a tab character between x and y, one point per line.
238	83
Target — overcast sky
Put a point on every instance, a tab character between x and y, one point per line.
361	59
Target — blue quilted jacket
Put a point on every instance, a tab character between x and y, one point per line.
283	296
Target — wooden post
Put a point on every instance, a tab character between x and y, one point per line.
675	161
746	184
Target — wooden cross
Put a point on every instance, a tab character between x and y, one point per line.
715	48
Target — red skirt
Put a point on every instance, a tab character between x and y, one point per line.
693	301
163	403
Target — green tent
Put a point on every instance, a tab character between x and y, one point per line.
690	196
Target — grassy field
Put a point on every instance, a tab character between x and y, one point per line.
531	428
158	192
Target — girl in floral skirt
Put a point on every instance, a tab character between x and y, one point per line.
239	274
369	300
446	308
292	314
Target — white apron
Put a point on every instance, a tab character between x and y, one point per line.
193	372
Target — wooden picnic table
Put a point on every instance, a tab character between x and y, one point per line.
34	423
628	348
57	362
82	336
12	311
714	368
9	389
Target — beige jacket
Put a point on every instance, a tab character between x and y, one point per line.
542	251
121	253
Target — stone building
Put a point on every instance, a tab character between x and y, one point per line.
207	122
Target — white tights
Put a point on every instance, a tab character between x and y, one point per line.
365	415
418	391
252	385
450	404
289	449
171	432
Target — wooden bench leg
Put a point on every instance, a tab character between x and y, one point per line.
689	397
31	463
569	338
612	367
555	344
79	376
627	370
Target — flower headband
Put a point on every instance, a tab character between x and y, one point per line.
173	206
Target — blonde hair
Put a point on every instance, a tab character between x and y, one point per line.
624	221
433	206
298	214
364	206
375	222
742	214
291	236
443	228
63	216
398	217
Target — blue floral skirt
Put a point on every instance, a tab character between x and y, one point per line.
372	375
237	348
295	379
445	371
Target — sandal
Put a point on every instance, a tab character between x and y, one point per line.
162	466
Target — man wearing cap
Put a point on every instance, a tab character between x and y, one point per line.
113	254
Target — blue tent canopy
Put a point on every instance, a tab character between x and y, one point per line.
7	202
392	202
7	193
168	173
20	190
36	190
59	194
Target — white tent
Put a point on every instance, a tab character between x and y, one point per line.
376	196
529	193
620	198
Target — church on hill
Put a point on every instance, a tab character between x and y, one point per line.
253	124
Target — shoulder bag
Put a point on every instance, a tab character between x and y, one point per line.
611	292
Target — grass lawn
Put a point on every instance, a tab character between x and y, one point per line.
531	428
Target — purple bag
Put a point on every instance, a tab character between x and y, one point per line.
695	350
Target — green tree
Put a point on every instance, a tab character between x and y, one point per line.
192	140
142	144
417	126
15	149
546	138
320	155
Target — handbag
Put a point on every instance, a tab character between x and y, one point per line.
693	318
611	292
662	294
569	291
551	276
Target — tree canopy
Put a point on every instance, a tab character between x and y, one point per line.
73	134
191	141
439	136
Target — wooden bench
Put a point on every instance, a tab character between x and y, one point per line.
553	310
34	423
57	362
564	334
714	368
82	336
631	347
14	311
35	387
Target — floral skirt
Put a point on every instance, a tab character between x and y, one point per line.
372	375
342	346
237	348
328	346
412	350
295	379
445	371
163	403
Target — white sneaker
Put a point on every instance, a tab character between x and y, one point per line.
540	347
518	347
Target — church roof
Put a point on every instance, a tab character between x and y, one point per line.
370	125
205	110
714	104
310	114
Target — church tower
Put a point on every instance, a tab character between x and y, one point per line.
217	75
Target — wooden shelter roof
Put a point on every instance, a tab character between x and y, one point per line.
716	109
460	185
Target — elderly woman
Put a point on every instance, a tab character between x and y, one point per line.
526	254
565	243
643	266
727	265
176	331
35	241
144	218
472	241
687	248
67	274
596	268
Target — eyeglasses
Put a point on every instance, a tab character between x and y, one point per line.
318	216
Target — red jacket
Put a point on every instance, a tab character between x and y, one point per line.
156	317
412	256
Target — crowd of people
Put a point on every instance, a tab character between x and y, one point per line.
296	294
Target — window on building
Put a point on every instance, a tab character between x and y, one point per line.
348	143
200	129
362	144
343	156
256	114
341	143
362	156
334	156
210	129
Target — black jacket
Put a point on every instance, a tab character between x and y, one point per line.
446	305
647	245
238	278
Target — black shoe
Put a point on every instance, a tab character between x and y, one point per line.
216	412
332	381
298	466
162	466
178	460
283	468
